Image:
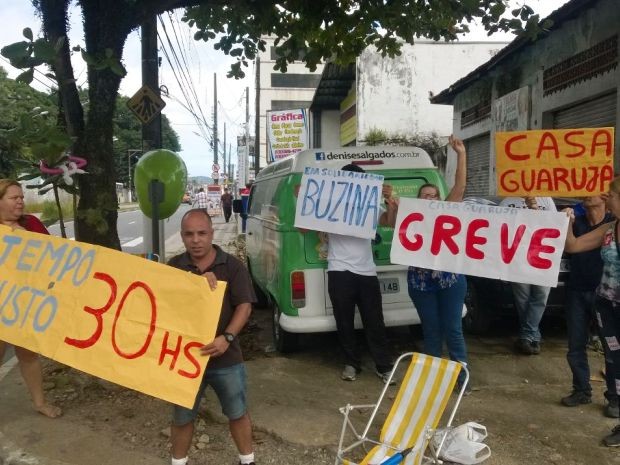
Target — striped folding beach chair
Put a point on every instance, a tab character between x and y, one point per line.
411	422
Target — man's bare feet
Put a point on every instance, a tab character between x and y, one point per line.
50	411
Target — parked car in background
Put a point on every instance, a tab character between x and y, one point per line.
488	299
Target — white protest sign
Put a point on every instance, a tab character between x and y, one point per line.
339	202
512	244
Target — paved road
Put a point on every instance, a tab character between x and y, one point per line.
130	228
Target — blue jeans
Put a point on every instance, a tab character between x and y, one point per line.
530	301
229	385
441	316
579	316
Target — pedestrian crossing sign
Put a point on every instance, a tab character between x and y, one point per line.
146	104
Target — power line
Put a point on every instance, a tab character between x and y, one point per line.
183	77
50	88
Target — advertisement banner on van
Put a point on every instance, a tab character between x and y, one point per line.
560	162
499	242
339	202
287	133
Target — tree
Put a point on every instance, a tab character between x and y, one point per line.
128	136
19	100
314	31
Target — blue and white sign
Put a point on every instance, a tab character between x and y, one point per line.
339	202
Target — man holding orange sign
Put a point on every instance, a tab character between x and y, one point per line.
225	371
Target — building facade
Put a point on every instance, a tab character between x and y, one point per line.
390	96
568	78
280	91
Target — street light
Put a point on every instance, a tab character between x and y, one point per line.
130	153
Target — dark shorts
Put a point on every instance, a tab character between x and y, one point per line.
229	385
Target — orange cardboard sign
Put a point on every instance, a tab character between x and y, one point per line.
569	162
131	321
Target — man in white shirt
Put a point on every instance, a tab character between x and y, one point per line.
352	280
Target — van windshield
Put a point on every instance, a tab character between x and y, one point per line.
409	186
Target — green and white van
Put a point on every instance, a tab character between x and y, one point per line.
289	266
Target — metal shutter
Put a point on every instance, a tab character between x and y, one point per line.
597	113
478	154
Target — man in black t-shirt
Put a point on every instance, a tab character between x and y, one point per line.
227	204
225	372
585	275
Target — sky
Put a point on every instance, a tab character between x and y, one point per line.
202	62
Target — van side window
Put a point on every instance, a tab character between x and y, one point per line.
263	199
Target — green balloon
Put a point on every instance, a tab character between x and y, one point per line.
168	168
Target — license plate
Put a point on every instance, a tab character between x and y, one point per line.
564	265
389	285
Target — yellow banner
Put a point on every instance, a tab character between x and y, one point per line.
122	318
565	162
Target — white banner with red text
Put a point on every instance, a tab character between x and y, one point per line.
512	244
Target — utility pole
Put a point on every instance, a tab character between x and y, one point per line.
257	117
151	135
247	133
151	132
230	171
224	154
215	141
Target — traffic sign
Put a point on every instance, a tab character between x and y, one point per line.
146	104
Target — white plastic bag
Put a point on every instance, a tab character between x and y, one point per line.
463	444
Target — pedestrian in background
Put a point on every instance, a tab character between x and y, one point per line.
438	296
585	275
201	200
227	200
12	215
607	300
225	372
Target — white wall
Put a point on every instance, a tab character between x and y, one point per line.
330	128
393	93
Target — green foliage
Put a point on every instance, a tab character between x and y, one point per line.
104	60
128	134
28	55
340	30
430	142
49	211
375	137
25	120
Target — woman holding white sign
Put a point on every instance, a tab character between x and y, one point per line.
438	295
12	215
607	301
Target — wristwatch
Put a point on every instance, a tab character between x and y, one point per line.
229	337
